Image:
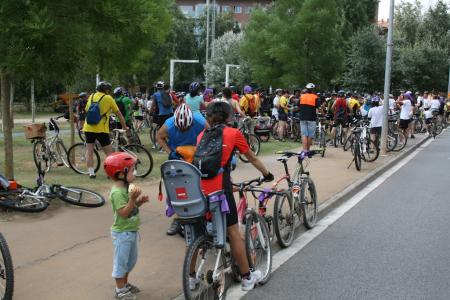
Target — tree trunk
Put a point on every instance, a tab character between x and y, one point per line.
7	129
33	103
11	103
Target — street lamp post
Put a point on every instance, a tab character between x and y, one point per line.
387	79
227	73
172	67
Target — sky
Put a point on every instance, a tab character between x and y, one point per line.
383	8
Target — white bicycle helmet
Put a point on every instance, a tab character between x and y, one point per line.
310	86
183	117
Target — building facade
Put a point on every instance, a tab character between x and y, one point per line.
240	9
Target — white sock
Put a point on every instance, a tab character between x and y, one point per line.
124	289
91	171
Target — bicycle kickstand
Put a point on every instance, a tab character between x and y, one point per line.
351	163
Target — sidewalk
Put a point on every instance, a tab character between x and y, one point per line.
65	252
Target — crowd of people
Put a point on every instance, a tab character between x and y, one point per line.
182	119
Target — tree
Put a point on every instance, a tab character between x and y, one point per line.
227	50
365	60
357	14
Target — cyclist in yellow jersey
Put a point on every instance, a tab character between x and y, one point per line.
283	114
100	131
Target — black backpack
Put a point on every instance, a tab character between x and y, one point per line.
208	156
166	99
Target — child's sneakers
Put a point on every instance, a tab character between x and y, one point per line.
132	288
249	283
125	295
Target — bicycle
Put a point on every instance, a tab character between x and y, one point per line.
77	156
208	266
50	151
320	138
258	226
38	199
6	271
299	200
252	140
291	131
436	125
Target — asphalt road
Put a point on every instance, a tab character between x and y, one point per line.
394	244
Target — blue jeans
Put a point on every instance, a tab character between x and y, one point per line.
125	252
308	128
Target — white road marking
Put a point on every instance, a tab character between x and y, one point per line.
235	292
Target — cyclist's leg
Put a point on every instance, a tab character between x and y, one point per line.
105	142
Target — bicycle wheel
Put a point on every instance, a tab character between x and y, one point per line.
283	219
418	125
257	244
391	142
357	156
79	196
15	201
144	163
337	136
401	141
40	155
308	202
348	143
6	271
62	152
81	135
77	159
371	151
198	269
294	134
254	143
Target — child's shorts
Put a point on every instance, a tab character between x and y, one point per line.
125	252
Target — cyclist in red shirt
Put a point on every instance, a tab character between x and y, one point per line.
219	113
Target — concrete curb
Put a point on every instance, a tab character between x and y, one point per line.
355	187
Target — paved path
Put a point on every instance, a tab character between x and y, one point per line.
65	252
394	244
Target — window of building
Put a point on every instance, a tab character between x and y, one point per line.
199	10
225	9
237	9
248	9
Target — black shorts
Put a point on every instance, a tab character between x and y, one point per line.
404	124
232	217
428	121
375	130
101	137
159	120
282	116
140	118
342	122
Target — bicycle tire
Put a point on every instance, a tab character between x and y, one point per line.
418	125
348	143
40	155
285	238
337	136
357	156
391	142
62	152
308	203
15	201
254	143
372	152
144	165
294	134
200	251
254	249
6	270
401	143
64	193
77	159
81	135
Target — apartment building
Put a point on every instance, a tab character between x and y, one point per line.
239	8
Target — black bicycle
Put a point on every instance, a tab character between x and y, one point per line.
6	271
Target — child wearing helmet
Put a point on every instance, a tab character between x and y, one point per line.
126	198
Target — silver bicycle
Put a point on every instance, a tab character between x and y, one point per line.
51	151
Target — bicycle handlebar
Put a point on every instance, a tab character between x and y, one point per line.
302	154
244	184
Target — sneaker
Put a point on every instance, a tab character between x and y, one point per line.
132	288
92	176
193	282
127	295
174	228
249	283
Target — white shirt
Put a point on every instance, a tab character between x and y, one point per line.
426	103
405	113
276	103
391	104
376	116
435	104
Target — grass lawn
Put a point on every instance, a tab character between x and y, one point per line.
25	170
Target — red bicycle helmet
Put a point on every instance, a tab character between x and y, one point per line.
118	162
183	117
